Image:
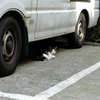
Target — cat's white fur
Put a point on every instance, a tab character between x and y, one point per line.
50	55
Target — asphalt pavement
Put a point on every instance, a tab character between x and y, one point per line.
32	78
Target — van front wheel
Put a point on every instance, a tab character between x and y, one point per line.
10	45
77	39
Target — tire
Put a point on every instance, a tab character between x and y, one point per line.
10	45
77	39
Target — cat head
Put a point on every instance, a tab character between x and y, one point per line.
53	50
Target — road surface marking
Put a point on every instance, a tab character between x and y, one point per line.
45	95
70	81
19	96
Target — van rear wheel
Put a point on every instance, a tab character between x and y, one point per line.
77	39
10	45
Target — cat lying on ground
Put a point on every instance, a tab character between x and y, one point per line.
47	55
42	50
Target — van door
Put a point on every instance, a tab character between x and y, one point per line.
61	16
45	18
52	17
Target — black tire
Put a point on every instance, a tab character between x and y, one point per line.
77	39
10	45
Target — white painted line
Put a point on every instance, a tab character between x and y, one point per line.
19	96
55	89
64	84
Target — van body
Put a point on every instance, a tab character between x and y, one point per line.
24	21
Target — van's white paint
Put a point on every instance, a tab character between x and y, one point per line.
48	18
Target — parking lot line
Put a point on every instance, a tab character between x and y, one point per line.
64	84
45	95
19	96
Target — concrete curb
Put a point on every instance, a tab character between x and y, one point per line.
91	43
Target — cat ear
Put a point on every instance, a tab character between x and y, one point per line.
50	48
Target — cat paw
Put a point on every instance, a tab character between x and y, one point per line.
53	57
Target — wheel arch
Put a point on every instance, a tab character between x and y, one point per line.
24	33
86	14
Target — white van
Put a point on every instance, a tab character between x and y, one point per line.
24	21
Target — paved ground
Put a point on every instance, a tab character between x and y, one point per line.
33	77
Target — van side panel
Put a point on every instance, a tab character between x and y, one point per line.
52	17
92	7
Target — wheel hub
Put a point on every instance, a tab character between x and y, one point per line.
8	45
80	31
